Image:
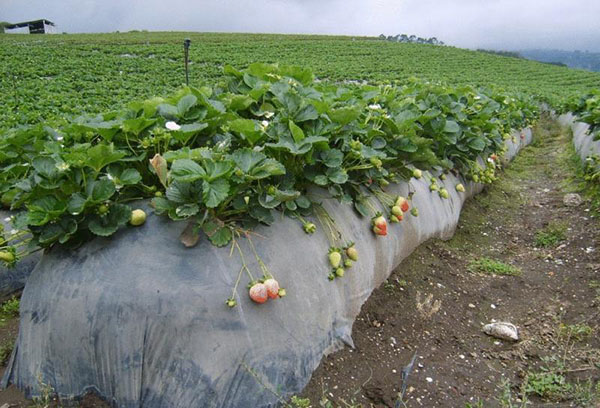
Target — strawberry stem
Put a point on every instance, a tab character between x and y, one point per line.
262	265
328	224
244	265
383	197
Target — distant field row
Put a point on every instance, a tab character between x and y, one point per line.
49	77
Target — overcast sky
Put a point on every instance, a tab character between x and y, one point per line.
501	24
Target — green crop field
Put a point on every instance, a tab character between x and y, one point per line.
249	138
50	77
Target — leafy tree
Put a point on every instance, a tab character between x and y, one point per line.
2	25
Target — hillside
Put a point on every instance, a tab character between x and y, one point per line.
573	59
55	76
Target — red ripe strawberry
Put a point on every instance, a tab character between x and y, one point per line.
379	231
272	288
258	293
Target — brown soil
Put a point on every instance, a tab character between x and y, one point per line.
456	364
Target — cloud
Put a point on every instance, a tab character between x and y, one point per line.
503	24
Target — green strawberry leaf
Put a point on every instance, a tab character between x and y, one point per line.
186	170
214	192
102	155
218	235
117	216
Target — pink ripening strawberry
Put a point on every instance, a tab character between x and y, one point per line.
258	292
272	288
379	225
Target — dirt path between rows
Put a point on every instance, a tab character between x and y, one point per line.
554	299
435	303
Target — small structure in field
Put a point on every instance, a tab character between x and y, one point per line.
42	26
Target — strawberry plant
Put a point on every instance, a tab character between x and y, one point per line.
267	139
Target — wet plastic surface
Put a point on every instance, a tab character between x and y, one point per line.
142	321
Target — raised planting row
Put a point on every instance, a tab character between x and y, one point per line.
139	319
230	157
584	119
586	108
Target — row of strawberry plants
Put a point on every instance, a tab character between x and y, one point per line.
229	157
587	109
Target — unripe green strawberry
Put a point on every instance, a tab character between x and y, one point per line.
282	292
231	302
158	194
246	199
417	173
384	183
339	272
394	219
442	176
335	257
414	212
138	217
443	193
348	263
397	211
376	162
239	173
352	253
309	227
355	144
475	178
460	188
433	187
331	276
103	209
7	257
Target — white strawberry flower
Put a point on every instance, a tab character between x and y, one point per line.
264	123
62	166
269	115
172	125
375	106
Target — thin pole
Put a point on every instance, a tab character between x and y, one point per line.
186	49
